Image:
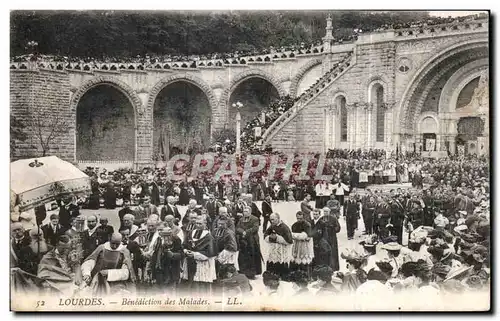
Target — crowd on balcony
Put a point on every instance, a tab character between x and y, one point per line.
151	59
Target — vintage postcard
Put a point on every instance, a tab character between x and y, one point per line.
249	161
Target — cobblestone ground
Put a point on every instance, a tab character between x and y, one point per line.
287	212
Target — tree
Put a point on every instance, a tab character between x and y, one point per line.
46	129
17	134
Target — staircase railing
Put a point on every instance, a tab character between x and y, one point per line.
312	92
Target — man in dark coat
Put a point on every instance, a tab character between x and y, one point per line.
125	210
368	213
267	210
21	253
170	209
306	208
397	217
225	245
152	190
110	196
213	206
352	215
238	209
322	247
104	231
89	236
382	217
138	261
192	208
166	261
331	227
247	234
67	210
53	230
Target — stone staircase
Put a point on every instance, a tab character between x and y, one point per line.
310	94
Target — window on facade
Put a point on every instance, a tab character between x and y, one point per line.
343	120
380	114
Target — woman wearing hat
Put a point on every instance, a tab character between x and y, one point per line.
356	275
370	247
393	253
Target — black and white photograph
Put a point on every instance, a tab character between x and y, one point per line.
249	160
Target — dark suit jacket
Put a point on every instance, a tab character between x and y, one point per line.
267	209
213	208
49	235
306	208
26	259
167	210
255	211
185	219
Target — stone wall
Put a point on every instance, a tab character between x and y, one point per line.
40	99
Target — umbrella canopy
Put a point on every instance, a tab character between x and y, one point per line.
34	182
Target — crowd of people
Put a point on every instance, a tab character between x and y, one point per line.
192	61
216	246
432	21
152	59
251	136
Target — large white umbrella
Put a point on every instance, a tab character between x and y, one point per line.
37	181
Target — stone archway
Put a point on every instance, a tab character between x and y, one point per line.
198	82
240	78
405	123
116	84
300	74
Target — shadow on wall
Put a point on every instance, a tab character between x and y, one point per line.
105	125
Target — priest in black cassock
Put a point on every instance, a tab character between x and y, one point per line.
331	227
110	196
279	239
249	256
